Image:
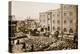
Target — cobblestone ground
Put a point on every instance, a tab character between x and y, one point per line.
42	43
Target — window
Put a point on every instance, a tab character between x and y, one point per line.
65	30
70	13
48	16
64	21
42	29
53	28
48	28
70	21
53	21
58	15
58	21
53	15
58	28
65	14
70	31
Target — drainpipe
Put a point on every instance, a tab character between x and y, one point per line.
62	21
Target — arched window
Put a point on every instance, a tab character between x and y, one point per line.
53	28
58	14
53	15
70	21
58	21
48	28
42	29
65	14
70	31
53	21
64	21
71	13
58	28
65	30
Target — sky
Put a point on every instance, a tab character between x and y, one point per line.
24	9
